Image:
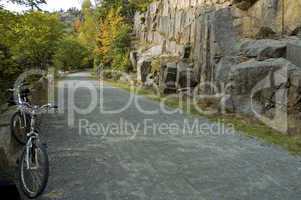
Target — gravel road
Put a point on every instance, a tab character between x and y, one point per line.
96	155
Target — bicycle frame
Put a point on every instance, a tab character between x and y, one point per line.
33	138
23	114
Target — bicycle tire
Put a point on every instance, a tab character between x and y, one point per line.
18	138
22	183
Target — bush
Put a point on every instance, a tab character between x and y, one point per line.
111	75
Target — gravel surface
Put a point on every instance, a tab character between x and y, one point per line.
144	163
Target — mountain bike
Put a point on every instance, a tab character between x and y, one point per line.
33	166
20	121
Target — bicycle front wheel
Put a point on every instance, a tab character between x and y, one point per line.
19	126
34	171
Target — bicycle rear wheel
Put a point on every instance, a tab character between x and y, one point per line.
19	126
33	176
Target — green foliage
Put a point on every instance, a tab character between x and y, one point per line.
126	9
27	41
31	38
75	51
121	48
113	40
141	5
38	39
86	6
87	35
8	66
71	55
38	35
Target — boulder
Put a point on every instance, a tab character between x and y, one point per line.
153	51
294	53
263	49
269	89
185	76
224	67
245	76
144	63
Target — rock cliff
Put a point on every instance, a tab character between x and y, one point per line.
232	44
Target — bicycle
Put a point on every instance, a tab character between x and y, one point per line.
20	121
33	164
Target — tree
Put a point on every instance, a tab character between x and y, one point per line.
87	32
71	55
9	68
31	37
38	35
126	9
113	41
115	19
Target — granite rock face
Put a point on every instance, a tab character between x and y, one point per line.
264	49
231	44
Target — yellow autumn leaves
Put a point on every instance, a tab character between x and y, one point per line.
113	41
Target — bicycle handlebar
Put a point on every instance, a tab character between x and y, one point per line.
35	110
49	106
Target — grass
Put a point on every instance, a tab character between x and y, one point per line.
247	126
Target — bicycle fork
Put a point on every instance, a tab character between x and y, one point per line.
32	153
24	119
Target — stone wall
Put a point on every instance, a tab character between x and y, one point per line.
222	41
177	19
